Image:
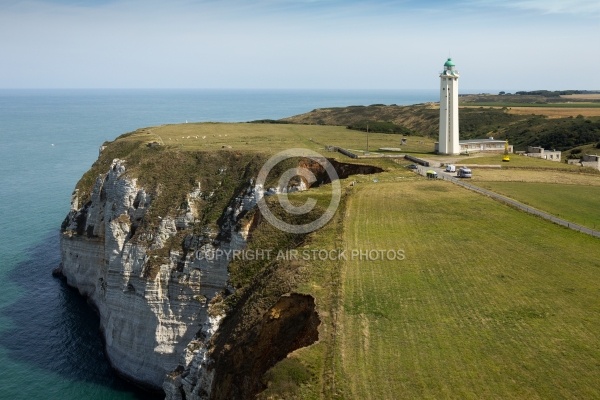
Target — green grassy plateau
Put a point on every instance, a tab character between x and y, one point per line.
489	302
576	203
480	301
274	137
557	105
517	161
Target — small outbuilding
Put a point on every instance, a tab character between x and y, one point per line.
540	152
489	145
587	160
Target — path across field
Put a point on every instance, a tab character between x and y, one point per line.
514	203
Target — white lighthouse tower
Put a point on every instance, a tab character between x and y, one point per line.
448	142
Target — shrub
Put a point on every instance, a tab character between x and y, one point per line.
381	127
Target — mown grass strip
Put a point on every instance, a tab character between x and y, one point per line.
489	302
576	203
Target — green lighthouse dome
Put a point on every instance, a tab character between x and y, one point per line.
449	63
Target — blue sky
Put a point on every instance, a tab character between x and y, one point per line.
332	44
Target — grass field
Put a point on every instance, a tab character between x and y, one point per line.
489	302
575	203
274	137
583	96
517	161
481	176
516	164
557	110
532	105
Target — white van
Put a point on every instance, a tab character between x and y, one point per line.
464	172
450	168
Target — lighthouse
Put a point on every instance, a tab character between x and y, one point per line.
448	141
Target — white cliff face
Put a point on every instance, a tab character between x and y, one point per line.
195	381
154	318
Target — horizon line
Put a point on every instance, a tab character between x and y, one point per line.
463	91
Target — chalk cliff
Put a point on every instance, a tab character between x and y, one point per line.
149	239
153	309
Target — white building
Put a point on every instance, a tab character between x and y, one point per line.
490	145
484	145
587	160
448	140
540	152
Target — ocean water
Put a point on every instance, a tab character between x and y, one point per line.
50	345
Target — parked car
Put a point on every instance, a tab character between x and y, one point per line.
464	173
412	166
450	168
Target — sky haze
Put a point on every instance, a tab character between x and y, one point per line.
312	44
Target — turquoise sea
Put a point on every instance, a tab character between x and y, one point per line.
50	346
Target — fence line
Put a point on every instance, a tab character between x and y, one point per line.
521	206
